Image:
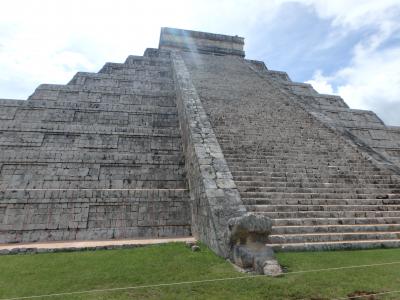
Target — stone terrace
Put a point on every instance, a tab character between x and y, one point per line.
98	158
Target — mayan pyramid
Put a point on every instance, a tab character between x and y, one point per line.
194	139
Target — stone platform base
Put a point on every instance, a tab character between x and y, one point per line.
85	245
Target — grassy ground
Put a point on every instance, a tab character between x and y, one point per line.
37	274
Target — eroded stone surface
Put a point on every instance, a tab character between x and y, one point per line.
248	237
98	158
192	138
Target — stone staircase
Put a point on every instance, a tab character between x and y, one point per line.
319	190
363	126
98	158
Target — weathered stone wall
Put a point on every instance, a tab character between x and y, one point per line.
203	42
98	158
46	215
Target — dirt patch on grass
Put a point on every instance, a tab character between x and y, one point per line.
362	295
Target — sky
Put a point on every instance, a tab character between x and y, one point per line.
346	47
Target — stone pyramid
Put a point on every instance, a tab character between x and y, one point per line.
192	138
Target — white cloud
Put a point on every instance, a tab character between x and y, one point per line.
48	41
371	80
321	83
355	13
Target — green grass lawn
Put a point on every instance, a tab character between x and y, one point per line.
38	274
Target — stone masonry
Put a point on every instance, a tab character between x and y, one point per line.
98	158
194	139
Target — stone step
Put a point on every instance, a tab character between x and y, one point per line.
283	157
111	68
325	208
96	147
36	118
282	150
279	230
297	158
318	202
140	73
304	165
321	189
116	68
299	161
374	179
134	60
324	178
300	157
146	73
295	155
331	214
104	100
251	157
286	167
260	174
339	245
20	173
333	237
283	142
52	91
13	103
132	74
308	171
322	221
91	194
94	183
320	173
95	80
276	147
315	184
99	129
90	156
86	101
68	246
268	156
333	195
230	134
286	136
151	109
93	93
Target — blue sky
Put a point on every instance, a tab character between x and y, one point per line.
350	48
